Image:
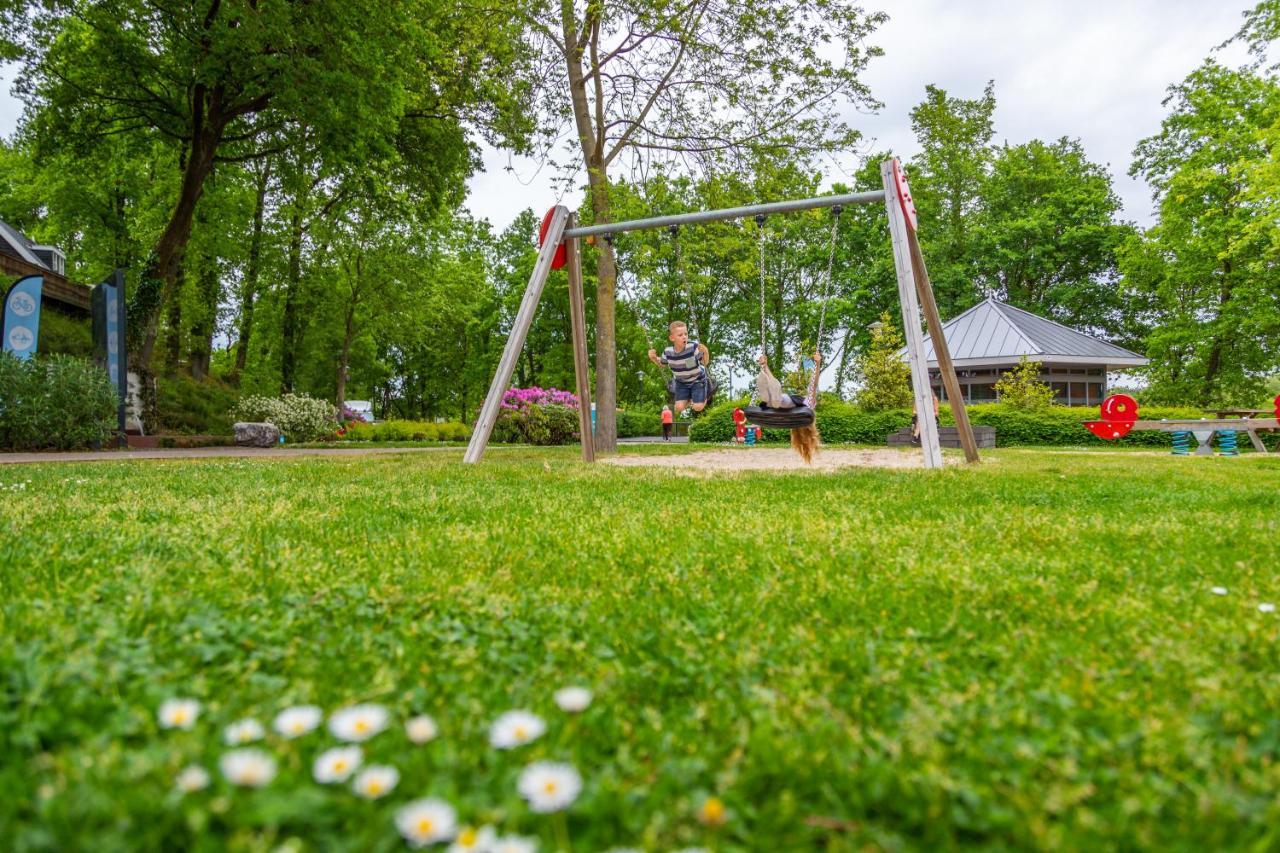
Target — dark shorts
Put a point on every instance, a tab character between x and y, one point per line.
695	391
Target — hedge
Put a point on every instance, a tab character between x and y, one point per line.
638	424
843	423
407	431
54	401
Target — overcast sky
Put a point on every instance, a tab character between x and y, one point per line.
1090	69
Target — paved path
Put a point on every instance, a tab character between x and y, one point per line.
212	453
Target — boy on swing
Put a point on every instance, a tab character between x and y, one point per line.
688	361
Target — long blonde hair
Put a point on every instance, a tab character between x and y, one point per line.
805	442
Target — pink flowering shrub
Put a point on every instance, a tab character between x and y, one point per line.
537	416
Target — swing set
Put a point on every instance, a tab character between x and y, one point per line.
559	237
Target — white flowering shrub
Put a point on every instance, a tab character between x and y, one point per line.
299	416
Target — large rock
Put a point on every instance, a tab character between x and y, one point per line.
257	435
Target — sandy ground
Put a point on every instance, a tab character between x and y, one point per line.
772	459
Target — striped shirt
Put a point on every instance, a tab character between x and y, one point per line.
685	365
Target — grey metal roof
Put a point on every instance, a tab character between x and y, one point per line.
993	332
16	244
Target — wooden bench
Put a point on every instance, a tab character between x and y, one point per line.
983	436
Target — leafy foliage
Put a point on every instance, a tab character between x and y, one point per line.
298	416
884	377
1021	388
59	402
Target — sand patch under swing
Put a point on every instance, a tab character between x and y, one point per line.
770	459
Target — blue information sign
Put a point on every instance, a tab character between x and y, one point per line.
22	316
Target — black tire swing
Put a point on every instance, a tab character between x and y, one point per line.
802	414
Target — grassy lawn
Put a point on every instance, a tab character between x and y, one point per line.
1026	654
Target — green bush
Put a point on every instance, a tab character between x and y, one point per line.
407	431
299	416
638	424
193	407
549	424
57	401
843	423
60	333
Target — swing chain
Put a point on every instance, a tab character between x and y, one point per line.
812	397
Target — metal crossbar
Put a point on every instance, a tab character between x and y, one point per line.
873	197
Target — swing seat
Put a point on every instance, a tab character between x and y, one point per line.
794	418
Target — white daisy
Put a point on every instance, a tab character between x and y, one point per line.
428	821
516	728
191	779
1266	607
358	723
376	781
472	840
421	729
337	764
1219	590
514	844
243	731
178	713
549	786
250	767
297	721
573	699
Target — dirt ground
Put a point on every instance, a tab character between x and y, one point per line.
772	459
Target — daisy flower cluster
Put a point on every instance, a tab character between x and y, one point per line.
546	786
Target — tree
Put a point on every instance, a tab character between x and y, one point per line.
884	376
218	78
650	78
1046	236
1205	277
947	180
1021	387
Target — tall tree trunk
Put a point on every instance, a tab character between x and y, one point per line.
202	329
1214	363
290	321
606	433
250	292
173	323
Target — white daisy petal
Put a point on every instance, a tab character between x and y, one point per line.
243	731
191	779
252	768
337	764
573	699
516	728
514	844
549	786
358	723
1219	590
178	713
421	729
472	840
297	721
375	781
1267	607
428	821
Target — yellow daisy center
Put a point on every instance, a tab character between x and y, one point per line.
362	726
179	716
339	766
467	838
549	786
297	727
374	787
521	732
424	825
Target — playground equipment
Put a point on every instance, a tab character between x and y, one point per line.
743	432
559	237
1119	416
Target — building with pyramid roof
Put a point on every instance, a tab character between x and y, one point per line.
992	336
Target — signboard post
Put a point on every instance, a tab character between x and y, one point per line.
109	339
